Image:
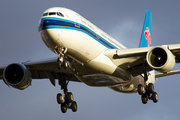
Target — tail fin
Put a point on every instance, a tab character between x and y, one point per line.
147	30
146	41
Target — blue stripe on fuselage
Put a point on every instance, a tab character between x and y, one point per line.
58	23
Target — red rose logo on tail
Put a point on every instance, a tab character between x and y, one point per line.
148	36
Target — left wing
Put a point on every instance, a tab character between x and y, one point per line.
44	69
160	58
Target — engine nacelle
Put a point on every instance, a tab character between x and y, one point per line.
17	75
160	59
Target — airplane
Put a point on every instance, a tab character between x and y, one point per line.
87	54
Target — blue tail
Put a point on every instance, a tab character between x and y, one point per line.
147	31
146	37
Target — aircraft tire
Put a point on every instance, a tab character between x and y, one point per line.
69	97
140	89
144	98
60	98
151	88
63	108
155	97
74	106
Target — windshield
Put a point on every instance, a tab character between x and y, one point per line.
53	13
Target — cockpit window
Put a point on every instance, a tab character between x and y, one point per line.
52	13
60	14
45	14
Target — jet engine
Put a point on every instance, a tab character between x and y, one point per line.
161	59
17	75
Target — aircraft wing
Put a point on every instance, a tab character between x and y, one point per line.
133	58
43	69
167	74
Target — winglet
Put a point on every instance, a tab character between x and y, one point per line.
146	35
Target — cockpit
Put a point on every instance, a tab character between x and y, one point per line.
53	13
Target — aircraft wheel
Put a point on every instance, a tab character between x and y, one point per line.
65	64
74	106
140	89
151	88
60	62
69	97
60	98
144	98
63	108
155	97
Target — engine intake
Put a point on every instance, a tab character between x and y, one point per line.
17	75
160	59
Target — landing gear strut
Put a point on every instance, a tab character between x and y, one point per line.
66	101
60	61
147	93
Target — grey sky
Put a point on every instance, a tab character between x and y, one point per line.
123	19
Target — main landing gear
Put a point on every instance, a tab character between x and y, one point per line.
148	92
67	100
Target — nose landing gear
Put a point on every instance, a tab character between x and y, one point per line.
62	63
61	51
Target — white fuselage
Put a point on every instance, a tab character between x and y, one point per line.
85	43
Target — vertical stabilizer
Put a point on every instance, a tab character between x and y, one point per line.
146	41
146	35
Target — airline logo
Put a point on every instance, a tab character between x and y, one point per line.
148	36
